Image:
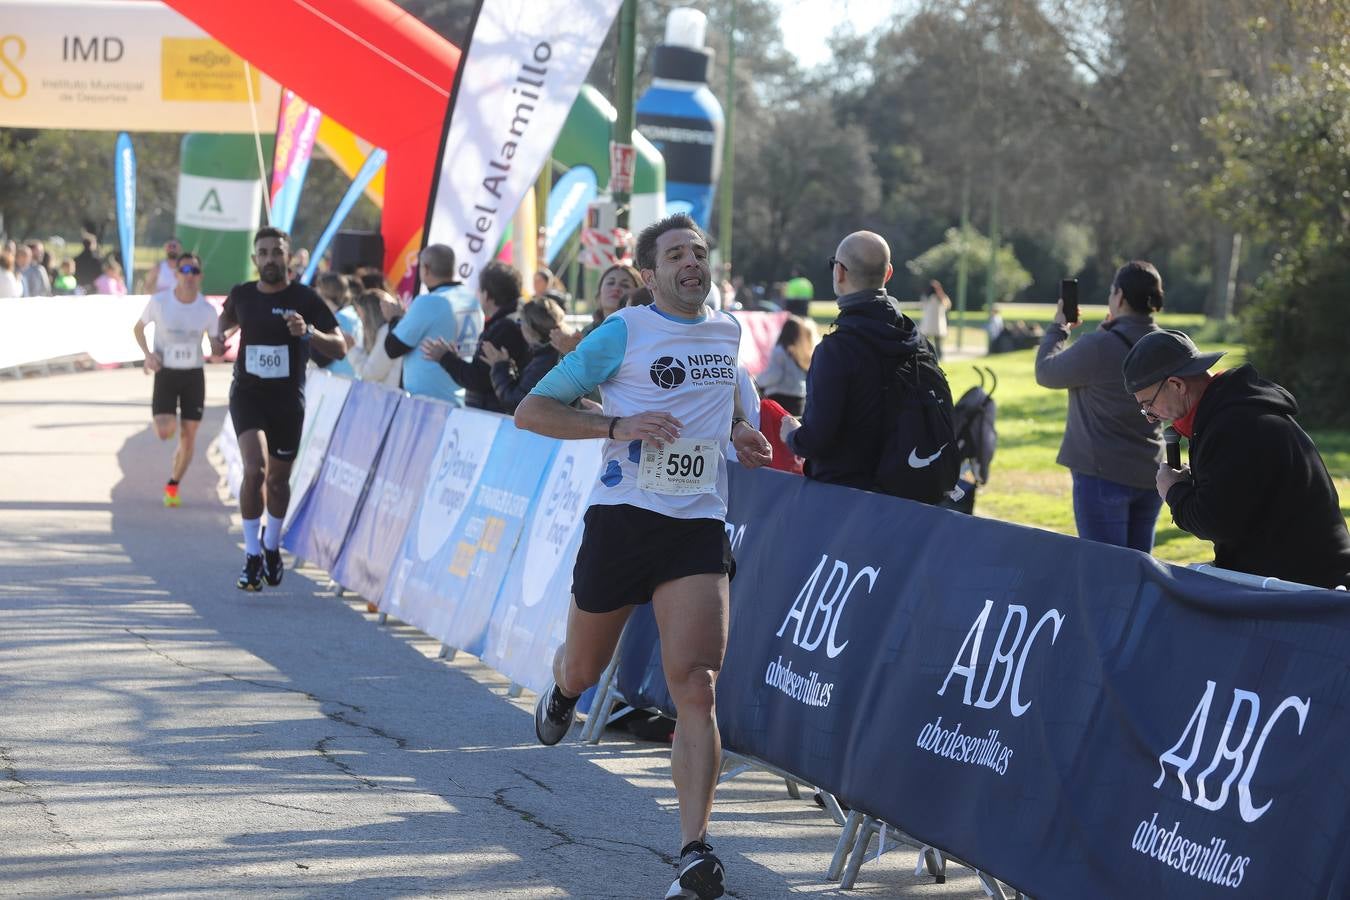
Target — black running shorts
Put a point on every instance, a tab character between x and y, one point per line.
628	552
177	389
278	412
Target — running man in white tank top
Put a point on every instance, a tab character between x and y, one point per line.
655	532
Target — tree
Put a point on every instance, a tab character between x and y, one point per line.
1283	174
941	262
810	182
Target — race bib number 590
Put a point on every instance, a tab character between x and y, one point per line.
680	468
266	361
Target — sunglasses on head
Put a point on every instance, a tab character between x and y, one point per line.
190	270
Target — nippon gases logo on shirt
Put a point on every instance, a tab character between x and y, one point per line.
696	369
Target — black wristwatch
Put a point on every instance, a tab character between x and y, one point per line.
734	422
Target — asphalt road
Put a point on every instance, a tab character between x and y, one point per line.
162	734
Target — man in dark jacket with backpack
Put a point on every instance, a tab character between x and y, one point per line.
848	433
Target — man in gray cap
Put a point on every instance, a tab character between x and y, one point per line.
1256	485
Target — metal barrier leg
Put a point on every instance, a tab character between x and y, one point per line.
870	826
792	789
991	885
598	717
931	858
446	653
845	844
382	618
833	808
515	690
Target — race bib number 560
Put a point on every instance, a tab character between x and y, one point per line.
680	468
266	361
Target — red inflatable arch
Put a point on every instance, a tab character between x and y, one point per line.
367	63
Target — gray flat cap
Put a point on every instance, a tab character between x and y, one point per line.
1163	354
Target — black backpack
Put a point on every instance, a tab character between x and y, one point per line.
919	455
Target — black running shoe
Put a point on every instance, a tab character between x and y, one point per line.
251	578
553	716
701	874
272	566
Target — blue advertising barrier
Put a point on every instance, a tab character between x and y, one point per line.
482	545
1075	719
371	550
1068	716
462	451
324	517
529	620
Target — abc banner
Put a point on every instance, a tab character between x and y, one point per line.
517	81
371	549
1068	716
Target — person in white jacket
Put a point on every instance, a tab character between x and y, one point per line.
368	358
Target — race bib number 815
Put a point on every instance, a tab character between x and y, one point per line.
680	468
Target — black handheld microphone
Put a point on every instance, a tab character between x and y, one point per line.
1173	442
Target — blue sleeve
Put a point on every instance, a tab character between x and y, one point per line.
414	324
349	321
596	360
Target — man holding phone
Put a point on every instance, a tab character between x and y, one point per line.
1111	451
278	320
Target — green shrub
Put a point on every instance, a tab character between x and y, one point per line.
1296	329
940	262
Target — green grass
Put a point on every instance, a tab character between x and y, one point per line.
1026	485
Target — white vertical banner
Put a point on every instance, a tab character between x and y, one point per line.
520	73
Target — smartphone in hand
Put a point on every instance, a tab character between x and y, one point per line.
1068	295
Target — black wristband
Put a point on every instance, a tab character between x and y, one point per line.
734	422
612	422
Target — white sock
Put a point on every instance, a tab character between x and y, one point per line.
251	545
272	537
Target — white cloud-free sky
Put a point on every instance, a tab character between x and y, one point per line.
808	24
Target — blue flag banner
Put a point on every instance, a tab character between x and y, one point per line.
374	162
320	526
529	620
462	452
1067	716
371	549
124	182
567	205
480	549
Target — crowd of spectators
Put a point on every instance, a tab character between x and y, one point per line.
29	269
487	349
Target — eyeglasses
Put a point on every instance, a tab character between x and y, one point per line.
835	262
190	270
1146	409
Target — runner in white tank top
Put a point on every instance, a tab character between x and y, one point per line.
655	528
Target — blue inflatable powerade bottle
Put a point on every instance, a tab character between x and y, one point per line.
680	115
